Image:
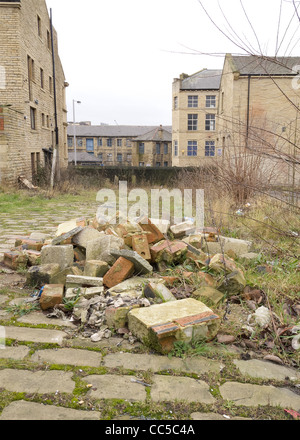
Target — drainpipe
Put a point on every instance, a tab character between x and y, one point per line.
55	159
248	110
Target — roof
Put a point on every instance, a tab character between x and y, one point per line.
158	134
130	131
83	156
255	65
207	79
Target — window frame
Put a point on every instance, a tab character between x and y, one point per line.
193	101
192	122
210	122
192	148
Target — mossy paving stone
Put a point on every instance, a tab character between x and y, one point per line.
22	410
68	356
35	335
115	387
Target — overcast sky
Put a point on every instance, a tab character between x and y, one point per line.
120	56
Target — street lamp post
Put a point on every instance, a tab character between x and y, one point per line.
74	125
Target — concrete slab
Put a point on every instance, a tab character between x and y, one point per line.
25	381
115	387
68	356
160	325
35	335
168	388
22	410
37	318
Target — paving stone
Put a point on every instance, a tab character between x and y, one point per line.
115	387
167	388
68	356
15	353
147	362
254	395
35	335
22	410
36	382
266	370
214	416
37	318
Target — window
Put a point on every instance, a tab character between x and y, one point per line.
39	26
175	102
30	68
210	122
128	143
109	142
100	156
43	119
175	148
32	118
211	101
48	121
192	122
192	148
48	40
166	149
109	157
157	164
90	145
129	157
157	148
119	142
50	85
42	78
141	164
119	157
99	142
70	142
193	101
166	164
210	148
141	148
79	142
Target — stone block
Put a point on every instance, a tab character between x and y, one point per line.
40	275
95	268
51	296
168	251
226	245
66	236
153	233
15	259
162	224
117	317
132	287
208	295
86	292
100	249
160	325
121	270
141	246
85	235
65	227
141	266
62	255
83	281
158	291
34	257
181	229
34	245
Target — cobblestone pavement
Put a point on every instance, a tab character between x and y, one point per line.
49	371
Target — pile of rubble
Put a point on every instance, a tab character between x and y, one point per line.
126	277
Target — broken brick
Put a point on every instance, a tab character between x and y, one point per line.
141	246
51	296
169	251
154	235
121	270
15	259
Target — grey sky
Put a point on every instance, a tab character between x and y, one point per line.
120	56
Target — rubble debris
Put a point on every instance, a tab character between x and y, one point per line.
141	266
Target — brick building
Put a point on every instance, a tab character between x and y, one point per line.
123	145
27	91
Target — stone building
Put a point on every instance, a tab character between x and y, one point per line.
27	91
194	118
122	145
259	111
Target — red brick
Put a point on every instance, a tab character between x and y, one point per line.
153	233
168	250
33	245
196	319
162	330
51	296
15	259
141	246
121	270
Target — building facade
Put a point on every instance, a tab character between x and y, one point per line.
122	145
28	88
194	118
